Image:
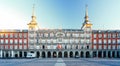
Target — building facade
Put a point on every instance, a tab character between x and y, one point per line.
60	43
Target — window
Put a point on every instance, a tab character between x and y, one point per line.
25	47
6	35
46	34
20	35
109	41
1	35
15	35
105	35
68	34
114	35
2	41
11	35
94	42
11	47
6	47
94	47
100	46
20	41
15	47
104	46
6	41
100	35
113	47
94	35
16	41
82	41
25	35
51	34
113	41
104	41
20	47
118	41
118	35
25	41
109	35
88	41
100	41
118	47
109	47
11	41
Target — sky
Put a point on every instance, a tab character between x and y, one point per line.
54	14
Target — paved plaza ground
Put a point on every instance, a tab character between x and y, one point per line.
61	62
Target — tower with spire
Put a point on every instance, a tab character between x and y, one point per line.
33	23
87	28
86	23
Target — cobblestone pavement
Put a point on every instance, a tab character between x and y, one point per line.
61	62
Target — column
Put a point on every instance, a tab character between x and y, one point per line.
1	53
102	54
91	54
106	54
115	54
97	54
57	54
46	55
9	54
62	54
68	54
84	54
18	54
4	54
73	53
111	54
51	54
23	54
12	54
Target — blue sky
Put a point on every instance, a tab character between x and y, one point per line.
103	14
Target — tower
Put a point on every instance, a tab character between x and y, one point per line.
32	31
33	23
87	28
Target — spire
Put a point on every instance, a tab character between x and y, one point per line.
86	15
33	22
33	12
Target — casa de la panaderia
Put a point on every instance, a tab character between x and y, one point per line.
60	43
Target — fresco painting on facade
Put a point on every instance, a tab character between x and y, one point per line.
60	43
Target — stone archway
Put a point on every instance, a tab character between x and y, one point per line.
25	54
104	54
76	53
43	54
100	54
82	54
109	53
71	54
87	54
60	54
7	55
118	54
94	54
20	54
54	54
37	54
65	54
113	54
49	54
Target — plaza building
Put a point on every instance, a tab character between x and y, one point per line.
60	43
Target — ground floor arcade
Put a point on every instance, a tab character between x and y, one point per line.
61	54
